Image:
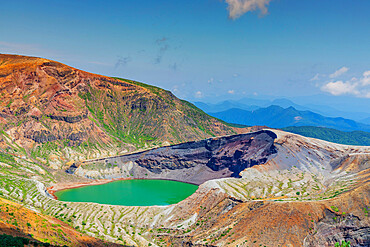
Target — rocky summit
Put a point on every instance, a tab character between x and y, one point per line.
65	128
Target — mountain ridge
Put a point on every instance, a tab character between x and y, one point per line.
266	187
279	117
255	103
50	110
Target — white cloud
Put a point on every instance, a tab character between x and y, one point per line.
315	78
198	94
237	8
211	80
339	72
231	91
365	80
357	87
340	87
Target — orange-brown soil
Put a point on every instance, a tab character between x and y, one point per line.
43	101
17	220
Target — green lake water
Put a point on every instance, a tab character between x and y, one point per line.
130	193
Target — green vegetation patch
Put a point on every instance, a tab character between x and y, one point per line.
360	138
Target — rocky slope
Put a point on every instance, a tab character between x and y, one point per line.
192	162
56	114
308	191
312	193
21	222
266	188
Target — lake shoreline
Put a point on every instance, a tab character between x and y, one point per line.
73	185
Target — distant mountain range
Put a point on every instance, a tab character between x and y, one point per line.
251	104
224	106
366	120
278	117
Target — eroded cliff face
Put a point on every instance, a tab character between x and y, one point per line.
50	109
194	162
263	188
226	222
308	192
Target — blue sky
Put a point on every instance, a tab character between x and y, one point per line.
195	49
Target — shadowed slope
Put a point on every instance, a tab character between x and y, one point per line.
192	162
